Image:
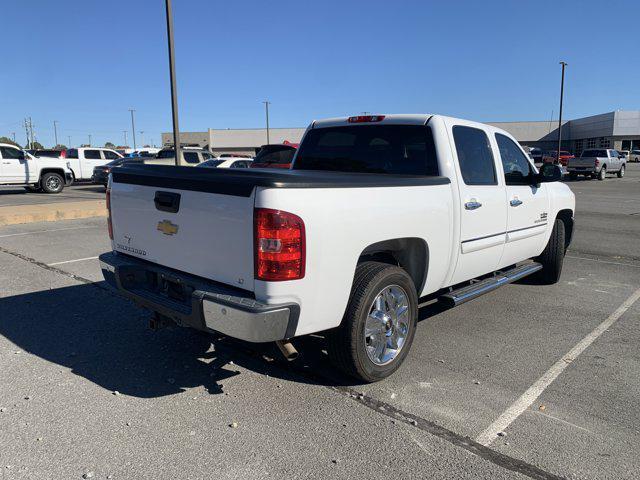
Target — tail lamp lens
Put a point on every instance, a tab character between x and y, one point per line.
109	224
279	245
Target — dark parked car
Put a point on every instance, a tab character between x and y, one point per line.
275	156
101	172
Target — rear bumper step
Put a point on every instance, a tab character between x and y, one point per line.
195	302
469	292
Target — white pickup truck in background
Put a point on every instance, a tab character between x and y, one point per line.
83	160
377	212
18	167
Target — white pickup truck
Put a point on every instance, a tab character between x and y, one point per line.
18	167
377	212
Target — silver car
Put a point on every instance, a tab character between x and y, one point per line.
596	163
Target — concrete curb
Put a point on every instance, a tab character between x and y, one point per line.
52	212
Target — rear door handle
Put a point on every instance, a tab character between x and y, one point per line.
472	205
515	202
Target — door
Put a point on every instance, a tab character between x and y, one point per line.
616	162
483	212
92	158
15	166
527	204
74	162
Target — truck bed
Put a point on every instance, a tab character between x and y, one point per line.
241	182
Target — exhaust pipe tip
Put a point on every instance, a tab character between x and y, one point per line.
287	349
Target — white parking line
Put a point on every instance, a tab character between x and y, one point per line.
71	261
535	390
46	231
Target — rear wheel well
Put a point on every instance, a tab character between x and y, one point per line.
59	171
567	218
412	254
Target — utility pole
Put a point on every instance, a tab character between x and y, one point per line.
31	131
266	106
172	79
125	138
564	64
142	138
14	136
26	129
55	131
133	128
69	138
89	139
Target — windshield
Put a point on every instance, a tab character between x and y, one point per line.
594	153
395	149
275	155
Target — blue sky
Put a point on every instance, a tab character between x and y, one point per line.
86	62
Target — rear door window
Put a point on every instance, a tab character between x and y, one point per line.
388	149
92	154
474	156
191	157
109	155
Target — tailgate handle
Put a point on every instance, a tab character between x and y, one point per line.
167	201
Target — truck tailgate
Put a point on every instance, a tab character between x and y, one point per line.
582	162
198	232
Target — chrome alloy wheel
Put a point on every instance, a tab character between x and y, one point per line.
387	325
53	183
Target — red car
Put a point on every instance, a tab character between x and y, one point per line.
551	157
275	156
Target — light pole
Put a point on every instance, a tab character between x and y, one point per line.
89	139
142	138
266	107
133	128
69	138
172	80
13	134
125	138
564	64
55	131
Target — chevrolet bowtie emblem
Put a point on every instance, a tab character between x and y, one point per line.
168	228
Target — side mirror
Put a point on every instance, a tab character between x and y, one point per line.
550	173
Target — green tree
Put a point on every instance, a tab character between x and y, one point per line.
60	147
109	145
9	141
37	145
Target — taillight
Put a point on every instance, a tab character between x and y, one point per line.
63	154
109	224
279	245
366	118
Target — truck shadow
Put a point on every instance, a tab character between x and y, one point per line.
104	338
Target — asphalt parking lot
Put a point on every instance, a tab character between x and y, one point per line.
528	381
14	196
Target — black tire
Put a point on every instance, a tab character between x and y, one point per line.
602	174
346	345
552	256
52	183
621	171
573	175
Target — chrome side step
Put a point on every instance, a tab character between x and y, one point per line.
469	292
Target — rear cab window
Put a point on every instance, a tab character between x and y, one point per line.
275	155
72	153
594	153
387	149
475	157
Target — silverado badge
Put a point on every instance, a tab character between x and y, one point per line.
167	228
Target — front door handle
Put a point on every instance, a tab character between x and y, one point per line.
515	202
472	205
